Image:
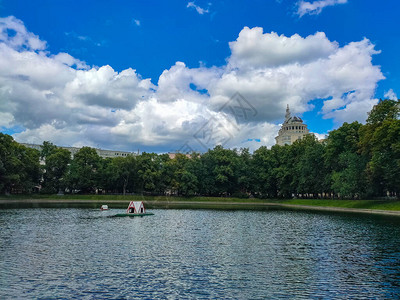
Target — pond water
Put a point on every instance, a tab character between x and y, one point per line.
197	254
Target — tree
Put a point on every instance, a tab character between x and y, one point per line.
283	171
47	149
123	172
56	167
341	145
9	165
222	166
19	166
310	172
384	165
149	166
30	168
245	172
204	170
349	180
344	139
84	170
264	164
179	176
384	110
379	140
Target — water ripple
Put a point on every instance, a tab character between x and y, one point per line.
197	254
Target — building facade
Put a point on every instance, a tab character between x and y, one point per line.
101	152
292	129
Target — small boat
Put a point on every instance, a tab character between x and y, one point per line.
135	209
104	207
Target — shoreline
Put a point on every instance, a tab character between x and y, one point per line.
162	204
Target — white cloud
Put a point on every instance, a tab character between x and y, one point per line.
390	94
270	75
70	61
315	7
6	119
61	99
15	35
200	10
321	136
254	49
180	82
107	88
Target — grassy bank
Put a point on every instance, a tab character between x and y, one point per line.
392	205
120	201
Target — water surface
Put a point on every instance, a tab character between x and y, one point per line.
197	254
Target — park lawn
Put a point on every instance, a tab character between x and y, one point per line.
393	205
358	204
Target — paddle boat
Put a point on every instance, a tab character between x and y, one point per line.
104	207
135	209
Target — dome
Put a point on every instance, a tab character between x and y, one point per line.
292	129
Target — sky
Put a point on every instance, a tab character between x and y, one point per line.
167	76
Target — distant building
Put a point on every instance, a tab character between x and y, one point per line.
172	155
292	129
101	152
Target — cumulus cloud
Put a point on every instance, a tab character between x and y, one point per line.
6	119
180	82
59	98
14	34
315	7
390	94
107	88
254	49
200	10
272	71
70	61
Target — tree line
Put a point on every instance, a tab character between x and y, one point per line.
355	161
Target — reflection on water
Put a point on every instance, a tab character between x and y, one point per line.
83	254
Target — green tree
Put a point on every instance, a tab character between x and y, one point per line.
149	166
108	178
205	172
181	177
264	164
342	144
349	181
384	166
19	166
283	171
344	139
125	169
56	167
379	143
309	168
221	165
47	149
245	172
84	170
9	164
384	110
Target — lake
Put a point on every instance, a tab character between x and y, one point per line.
197	254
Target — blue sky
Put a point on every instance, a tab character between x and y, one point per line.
331	60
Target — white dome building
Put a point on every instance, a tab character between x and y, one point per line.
292	129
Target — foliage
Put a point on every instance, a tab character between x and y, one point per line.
55	168
355	161
84	171
19	167
385	110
